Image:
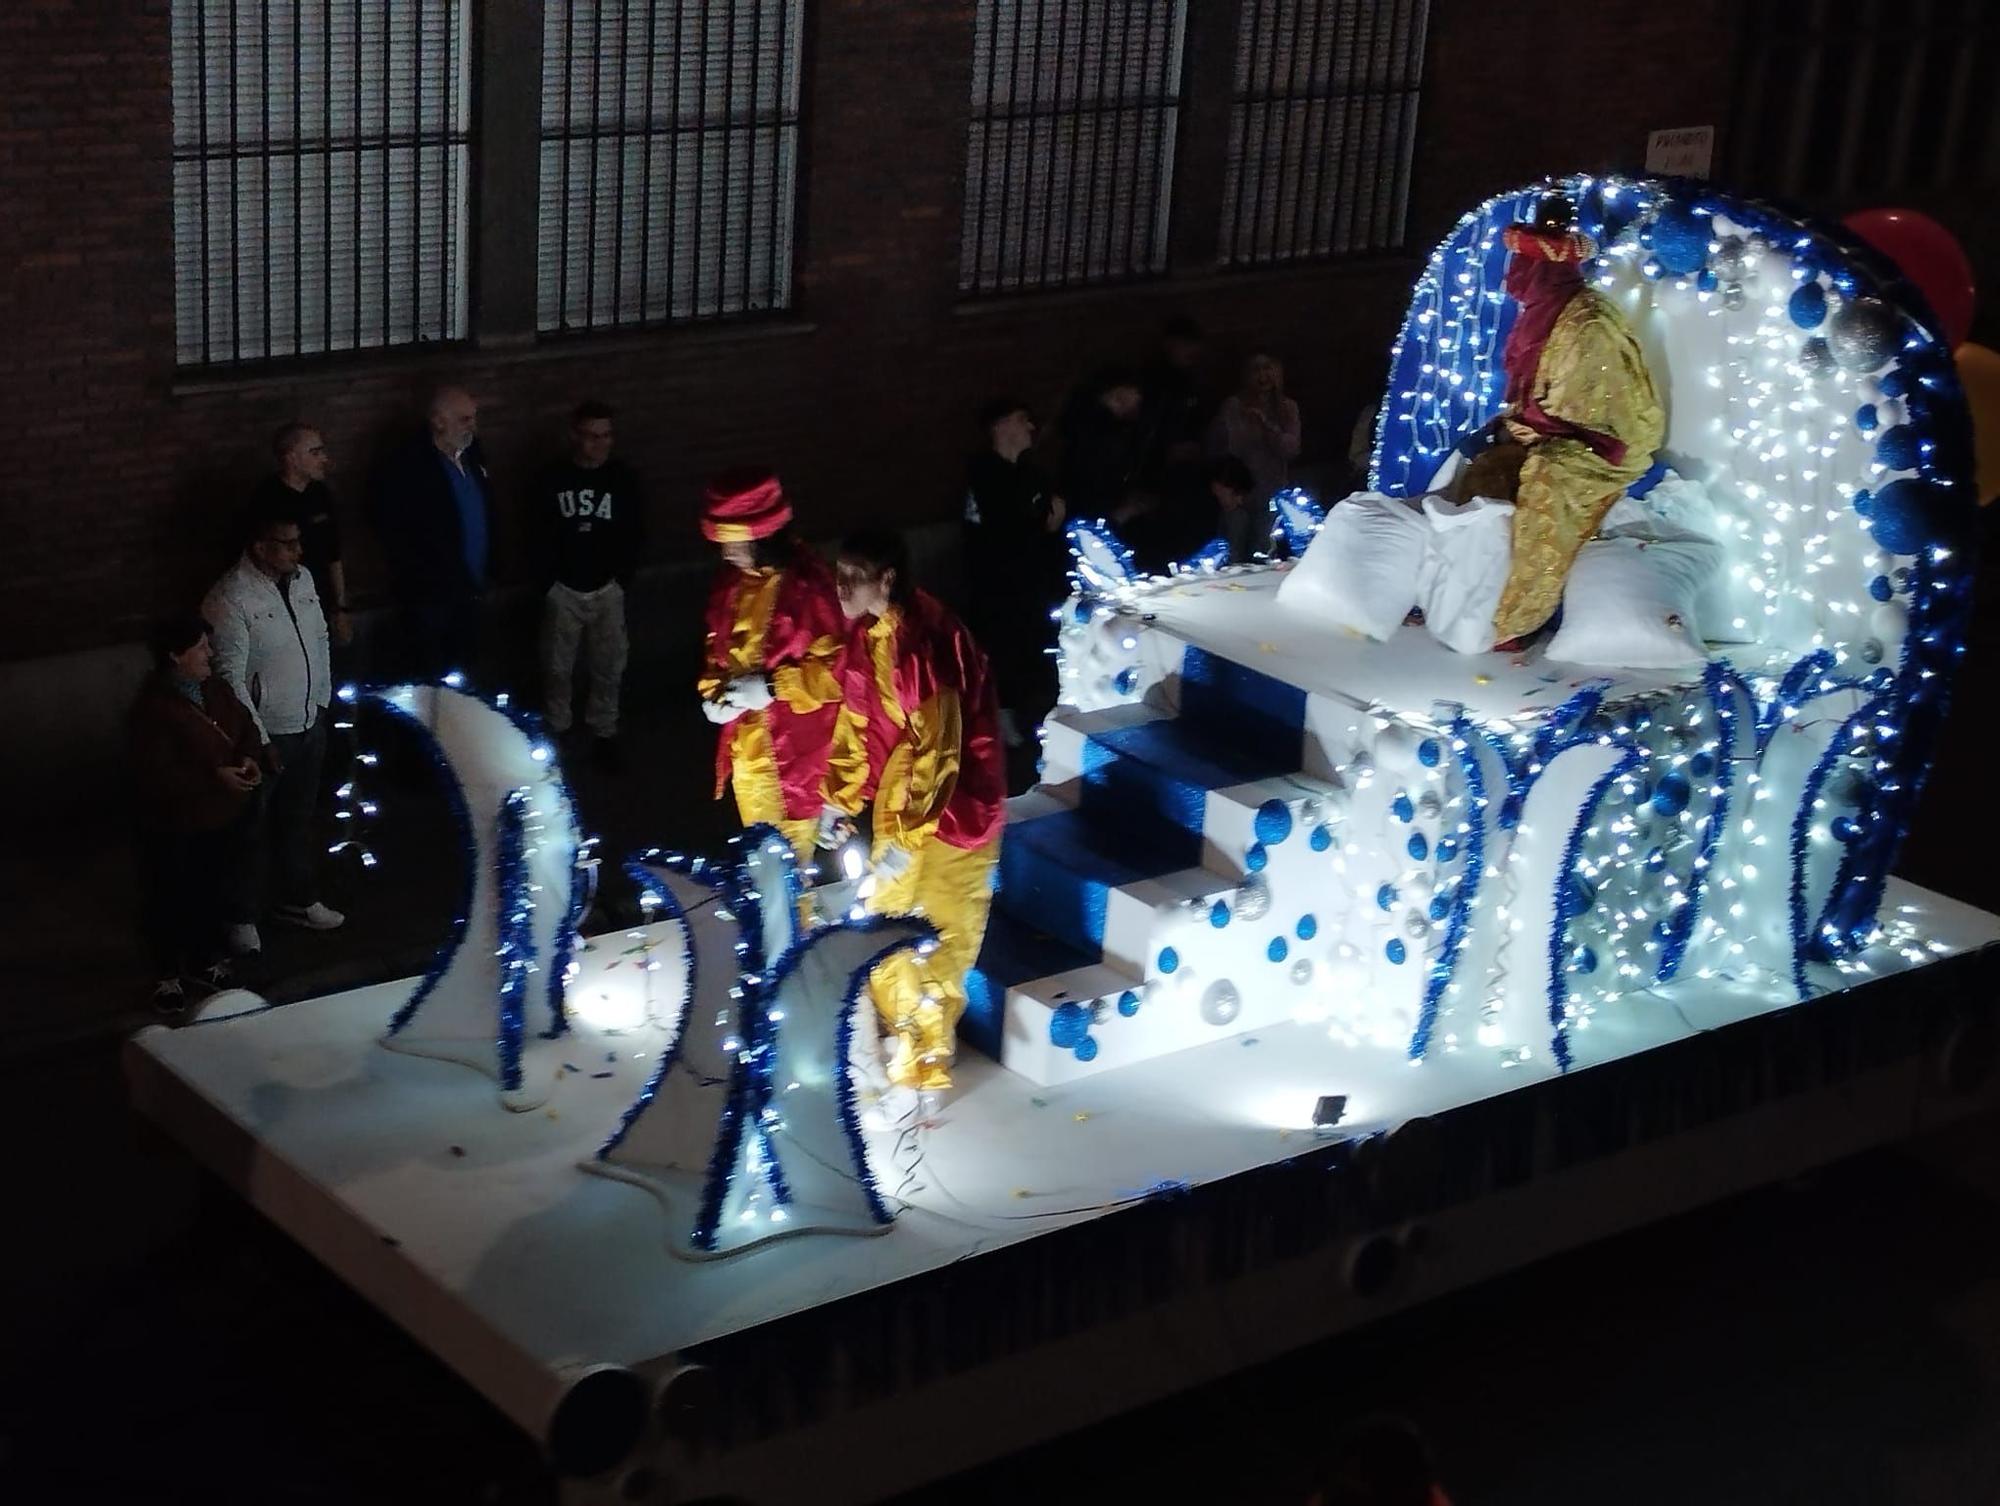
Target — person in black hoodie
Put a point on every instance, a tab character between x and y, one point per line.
432	511
589	516
1014	573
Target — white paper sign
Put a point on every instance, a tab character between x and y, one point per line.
1683	152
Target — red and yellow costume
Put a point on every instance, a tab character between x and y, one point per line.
1582	415
781	624
919	733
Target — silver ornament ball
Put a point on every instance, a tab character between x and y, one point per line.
1864	334
1221	1004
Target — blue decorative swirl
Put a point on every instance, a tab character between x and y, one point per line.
1466	743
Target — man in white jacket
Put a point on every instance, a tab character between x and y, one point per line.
270	642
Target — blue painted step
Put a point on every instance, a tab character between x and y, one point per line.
1057	871
1155	777
1013	952
1247	709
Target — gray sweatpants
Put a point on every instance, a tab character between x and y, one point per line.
595	620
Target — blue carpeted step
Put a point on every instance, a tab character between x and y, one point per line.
1157	775
1246	708
1057	871
1014	952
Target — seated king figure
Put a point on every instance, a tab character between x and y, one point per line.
1580	425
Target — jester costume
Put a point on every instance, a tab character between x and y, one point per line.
1582	417
919	734
770	670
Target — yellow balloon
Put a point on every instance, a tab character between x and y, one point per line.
1979	374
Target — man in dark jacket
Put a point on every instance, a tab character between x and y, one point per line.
1014	560
432	511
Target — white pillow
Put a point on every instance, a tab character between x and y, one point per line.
1630	603
1459	587
1360	571
1726	610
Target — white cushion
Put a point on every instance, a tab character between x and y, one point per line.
1466	570
1629	603
1726	610
1360	571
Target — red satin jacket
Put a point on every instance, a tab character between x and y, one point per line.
786	625
919	731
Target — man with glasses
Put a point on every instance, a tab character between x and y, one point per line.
270	647
591	520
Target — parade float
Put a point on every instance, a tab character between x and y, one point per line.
1340	959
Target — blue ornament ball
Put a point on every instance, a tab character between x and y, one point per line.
1867	419
1680	239
1385	897
1218	915
1807	306
1068	1025
1702	765
1278	949
1440	907
1670	795
1706	280
1447	849
1080	613
1904	515
1586	960
1846	829
1274	822
1395	951
1128	1003
1417	847
1308	927
1404	809
1086	1049
1429	751
1864	502
1897	449
1578	895
1169	959
1896	383
1256	858
1126	680
1321	839
1882	588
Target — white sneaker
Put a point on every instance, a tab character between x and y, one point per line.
314	917
244	941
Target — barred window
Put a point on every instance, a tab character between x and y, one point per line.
320	168
669	161
1069	160
1322	129
1845	98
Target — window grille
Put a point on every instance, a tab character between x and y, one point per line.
1070	154
1842	99
669	160
320	173
1322	128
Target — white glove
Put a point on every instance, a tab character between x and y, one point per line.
892	863
718	712
747	693
834	827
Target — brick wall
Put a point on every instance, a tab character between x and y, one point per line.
118	480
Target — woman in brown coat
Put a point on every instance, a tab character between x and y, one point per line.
197	762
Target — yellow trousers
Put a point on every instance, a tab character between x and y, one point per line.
920	999
753	779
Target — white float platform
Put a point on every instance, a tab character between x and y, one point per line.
473	1228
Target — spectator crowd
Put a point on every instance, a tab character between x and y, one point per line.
844	698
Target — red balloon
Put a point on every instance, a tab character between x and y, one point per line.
1930	256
